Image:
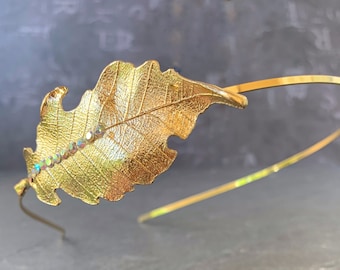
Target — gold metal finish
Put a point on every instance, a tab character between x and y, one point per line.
117	136
282	81
139	108
242	88
238	182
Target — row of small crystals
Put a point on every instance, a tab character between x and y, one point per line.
63	154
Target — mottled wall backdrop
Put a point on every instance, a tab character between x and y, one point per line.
68	42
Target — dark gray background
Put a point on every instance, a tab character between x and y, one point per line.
287	221
45	44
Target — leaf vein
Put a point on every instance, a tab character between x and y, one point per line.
95	167
145	89
162	107
110	92
129	97
148	141
75	179
140	163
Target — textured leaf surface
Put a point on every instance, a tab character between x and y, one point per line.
139	109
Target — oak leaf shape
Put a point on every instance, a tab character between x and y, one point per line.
138	108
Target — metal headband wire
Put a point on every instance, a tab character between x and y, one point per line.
241	88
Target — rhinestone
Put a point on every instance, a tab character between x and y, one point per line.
64	153
49	162
99	132
37	168
32	174
81	143
72	147
42	164
56	158
89	136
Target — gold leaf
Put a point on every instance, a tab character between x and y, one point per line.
137	110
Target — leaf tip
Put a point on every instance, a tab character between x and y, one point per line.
53	99
28	151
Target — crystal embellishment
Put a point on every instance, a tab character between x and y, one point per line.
48	162
81	143
70	150
89	136
56	158
72	147
37	168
